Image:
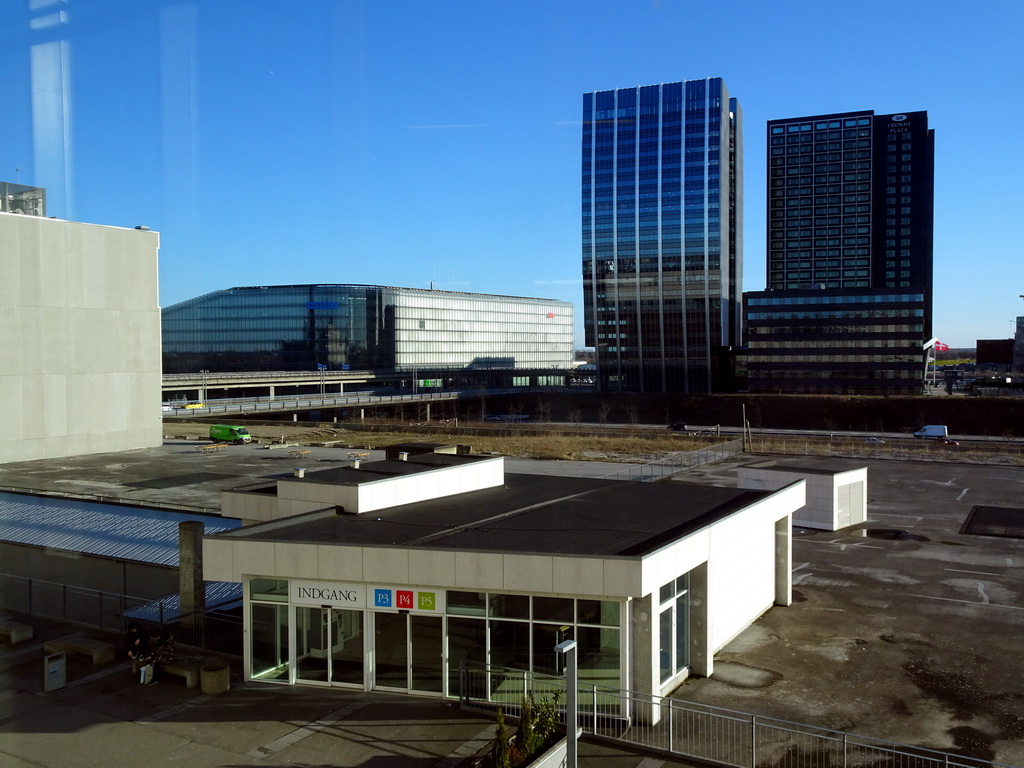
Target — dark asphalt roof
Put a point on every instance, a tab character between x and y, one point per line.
387	469
813	466
529	514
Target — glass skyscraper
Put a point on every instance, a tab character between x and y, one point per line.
662	206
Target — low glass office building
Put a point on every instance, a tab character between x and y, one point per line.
852	341
364	327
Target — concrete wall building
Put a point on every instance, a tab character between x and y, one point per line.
837	496
389	575
79	338
662	233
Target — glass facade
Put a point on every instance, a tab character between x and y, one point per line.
859	341
359	327
661	223
418	652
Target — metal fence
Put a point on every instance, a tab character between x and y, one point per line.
683	460
697	731
110	611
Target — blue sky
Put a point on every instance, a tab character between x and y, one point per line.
408	142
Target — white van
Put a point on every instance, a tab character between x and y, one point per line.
933	431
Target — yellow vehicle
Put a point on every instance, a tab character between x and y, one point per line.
195	405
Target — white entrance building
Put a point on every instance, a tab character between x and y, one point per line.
389	575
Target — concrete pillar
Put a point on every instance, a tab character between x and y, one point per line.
428	412
645	649
190	567
701	654
784	561
271	390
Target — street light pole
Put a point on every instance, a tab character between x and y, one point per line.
568	648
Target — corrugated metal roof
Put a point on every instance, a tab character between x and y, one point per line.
220	595
105	530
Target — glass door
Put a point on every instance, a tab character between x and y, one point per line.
312	641
347	647
391	650
426	673
408	652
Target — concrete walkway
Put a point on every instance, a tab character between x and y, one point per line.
104	719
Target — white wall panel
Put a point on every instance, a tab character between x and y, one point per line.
80	338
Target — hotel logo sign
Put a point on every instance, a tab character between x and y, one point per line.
899	124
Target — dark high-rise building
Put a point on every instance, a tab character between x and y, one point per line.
850	201
662	233
849	302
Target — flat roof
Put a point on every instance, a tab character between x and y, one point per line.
529	514
386	469
810	466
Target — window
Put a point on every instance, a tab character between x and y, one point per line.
673	627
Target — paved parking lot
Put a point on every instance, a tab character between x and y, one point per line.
902	629
105	719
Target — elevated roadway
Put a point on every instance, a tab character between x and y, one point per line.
290	404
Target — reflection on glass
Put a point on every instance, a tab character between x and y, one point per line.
553	609
466	603
427	663
545	637
311	643
510	644
268	589
603	612
269	642
665	644
510	606
347	647
599	656
683	631
467	641
391	650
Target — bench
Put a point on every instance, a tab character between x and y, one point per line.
211	448
101	652
184	667
358	455
298	454
15	631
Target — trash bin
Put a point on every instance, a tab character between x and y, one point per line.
214	677
55	673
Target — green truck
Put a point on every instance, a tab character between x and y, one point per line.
222	433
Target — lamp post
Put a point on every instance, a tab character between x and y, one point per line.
568	648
